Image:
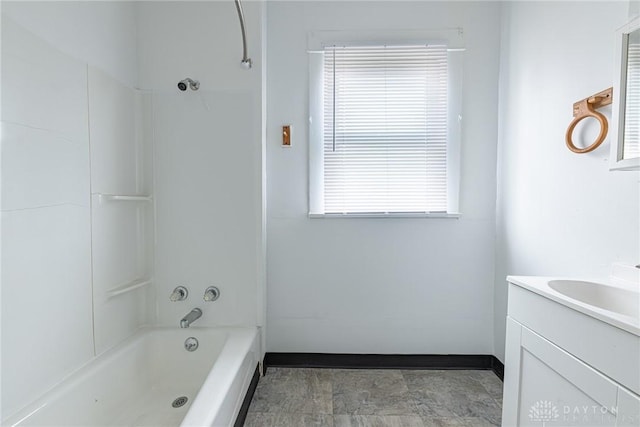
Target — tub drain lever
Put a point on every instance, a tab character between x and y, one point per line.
191	344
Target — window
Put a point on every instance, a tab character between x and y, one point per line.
384	129
631	145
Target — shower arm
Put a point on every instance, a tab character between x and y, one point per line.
246	61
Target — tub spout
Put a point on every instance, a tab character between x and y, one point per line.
190	318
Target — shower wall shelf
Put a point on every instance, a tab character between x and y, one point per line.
123	198
128	287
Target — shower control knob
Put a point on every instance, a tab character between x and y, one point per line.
180	293
211	294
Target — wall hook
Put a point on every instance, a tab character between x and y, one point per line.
587	108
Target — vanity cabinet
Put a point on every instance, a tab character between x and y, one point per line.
628	408
547	379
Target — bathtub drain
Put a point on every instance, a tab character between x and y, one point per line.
180	401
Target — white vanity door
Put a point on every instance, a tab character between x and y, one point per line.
544	385
628	409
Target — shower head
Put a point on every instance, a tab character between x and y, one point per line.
193	84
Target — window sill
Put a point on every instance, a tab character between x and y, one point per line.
435	215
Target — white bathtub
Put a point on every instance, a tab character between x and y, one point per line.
136	383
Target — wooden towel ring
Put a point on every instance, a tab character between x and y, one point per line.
586	108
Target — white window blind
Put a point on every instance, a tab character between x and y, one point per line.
632	108
385	129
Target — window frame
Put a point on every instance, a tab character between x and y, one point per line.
317	42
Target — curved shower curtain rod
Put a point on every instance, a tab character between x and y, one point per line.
246	61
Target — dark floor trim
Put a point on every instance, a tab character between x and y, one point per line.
497	367
244	409
385	361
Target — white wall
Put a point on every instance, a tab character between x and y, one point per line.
99	33
208	157
202	40
380	285
559	213
47	322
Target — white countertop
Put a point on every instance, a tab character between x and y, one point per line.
540	285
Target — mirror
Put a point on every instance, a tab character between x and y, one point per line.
625	141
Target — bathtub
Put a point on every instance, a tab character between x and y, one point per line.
136	383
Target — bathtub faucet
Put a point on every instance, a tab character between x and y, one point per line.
190	318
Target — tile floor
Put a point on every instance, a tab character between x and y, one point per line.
298	397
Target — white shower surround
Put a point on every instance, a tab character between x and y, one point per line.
108	45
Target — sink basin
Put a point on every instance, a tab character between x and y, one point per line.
621	301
